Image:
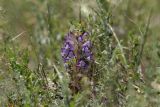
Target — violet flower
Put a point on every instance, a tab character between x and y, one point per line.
81	37
82	64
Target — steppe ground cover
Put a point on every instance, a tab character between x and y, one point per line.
79	53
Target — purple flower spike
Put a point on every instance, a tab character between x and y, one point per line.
69	51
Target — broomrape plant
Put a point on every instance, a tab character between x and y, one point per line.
77	56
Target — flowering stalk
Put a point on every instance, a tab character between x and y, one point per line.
77	56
